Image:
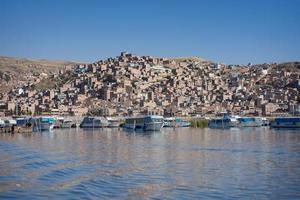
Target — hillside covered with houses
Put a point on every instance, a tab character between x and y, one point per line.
131	85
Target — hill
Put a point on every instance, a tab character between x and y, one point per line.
13	70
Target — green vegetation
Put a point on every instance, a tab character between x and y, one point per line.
199	123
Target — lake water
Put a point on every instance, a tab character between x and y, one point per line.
250	163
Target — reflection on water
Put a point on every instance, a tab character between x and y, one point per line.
185	163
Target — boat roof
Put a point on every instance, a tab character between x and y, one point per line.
170	118
144	116
94	117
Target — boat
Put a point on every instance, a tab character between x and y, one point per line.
58	122
223	120
113	122
175	122
44	123
61	122
7	125
265	121
93	122
9	122
286	122
144	123
2	123
220	123
250	122
24	125
67	124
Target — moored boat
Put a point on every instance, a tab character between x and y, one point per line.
265	121
10	122
286	122
44	123
144	123
58	122
223	120
220	123
67	124
2	123
175	122
250	122
93	122
61	122
7	125
24	125
113	122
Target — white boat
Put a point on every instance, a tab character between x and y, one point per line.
265	121
2	123
58	122
113	122
6	123
175	122
93	122
67	124
44	123
224	120
144	123
61	122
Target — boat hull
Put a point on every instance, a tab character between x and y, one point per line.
222	126
92	122
66	125
24	129
220	123
293	123
113	124
43	127
153	126
250	122
145	127
179	124
88	125
144	123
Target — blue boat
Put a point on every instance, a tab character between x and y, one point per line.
250	122
220	123
144	123
286	122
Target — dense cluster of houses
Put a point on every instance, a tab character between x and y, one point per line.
132	85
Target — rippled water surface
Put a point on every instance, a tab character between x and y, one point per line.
252	163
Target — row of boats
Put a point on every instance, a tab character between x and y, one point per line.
225	120
47	123
144	123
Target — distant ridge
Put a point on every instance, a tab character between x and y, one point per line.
14	69
6	62
189	59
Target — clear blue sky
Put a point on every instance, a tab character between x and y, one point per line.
230	31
